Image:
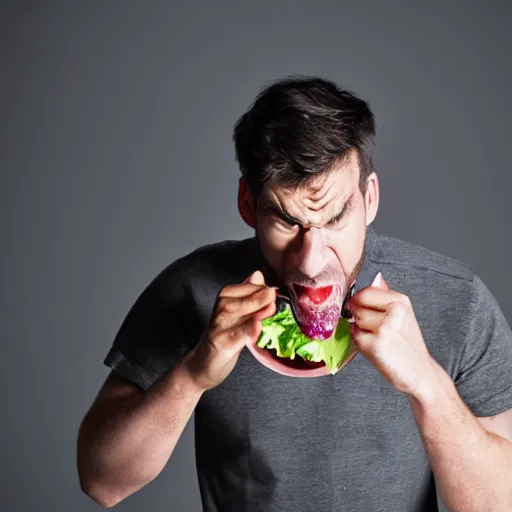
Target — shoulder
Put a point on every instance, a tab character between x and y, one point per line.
226	251
438	285
225	256
221	261
194	278
406	257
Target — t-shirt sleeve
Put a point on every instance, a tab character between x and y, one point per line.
484	379
156	331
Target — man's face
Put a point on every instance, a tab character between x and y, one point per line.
314	236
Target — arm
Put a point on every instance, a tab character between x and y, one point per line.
128	435
472	465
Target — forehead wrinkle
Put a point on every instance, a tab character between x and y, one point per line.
320	208
332	178
269	206
333	206
300	202
311	204
316	193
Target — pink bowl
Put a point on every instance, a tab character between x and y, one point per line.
265	357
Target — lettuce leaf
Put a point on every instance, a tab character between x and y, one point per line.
281	332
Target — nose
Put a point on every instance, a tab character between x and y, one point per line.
309	258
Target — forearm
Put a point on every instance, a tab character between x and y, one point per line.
472	467
126	443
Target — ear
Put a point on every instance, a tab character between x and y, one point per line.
246	205
371	198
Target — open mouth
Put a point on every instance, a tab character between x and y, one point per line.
313	297
307	336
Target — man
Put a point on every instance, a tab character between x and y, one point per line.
429	396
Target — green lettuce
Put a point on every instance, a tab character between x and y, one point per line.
281	332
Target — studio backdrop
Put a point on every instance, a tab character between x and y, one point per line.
116	158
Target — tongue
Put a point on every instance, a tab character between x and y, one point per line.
315	295
317	310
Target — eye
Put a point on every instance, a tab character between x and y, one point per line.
339	223
285	224
290	224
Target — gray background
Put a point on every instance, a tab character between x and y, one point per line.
116	158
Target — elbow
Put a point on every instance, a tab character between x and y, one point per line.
101	496
106	496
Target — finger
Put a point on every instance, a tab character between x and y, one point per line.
240	290
233	339
257	278
361	338
368	319
253	328
370	297
256	301
265	312
396	316
249	329
231	309
374	298
379	282
248	278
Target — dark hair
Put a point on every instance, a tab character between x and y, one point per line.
301	126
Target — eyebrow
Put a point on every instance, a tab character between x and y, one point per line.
273	208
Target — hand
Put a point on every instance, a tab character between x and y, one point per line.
386	332
236	318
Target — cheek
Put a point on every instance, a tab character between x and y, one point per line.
272	244
348	244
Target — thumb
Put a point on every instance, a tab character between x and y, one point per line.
379	282
255	278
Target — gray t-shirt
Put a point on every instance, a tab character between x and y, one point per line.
349	442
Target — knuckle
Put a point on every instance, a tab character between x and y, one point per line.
392	307
356	298
363	292
357	337
218	323
230	306
226	290
213	335
382	330
361	297
399	306
234	334
215	323
220	303
256	298
404	300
